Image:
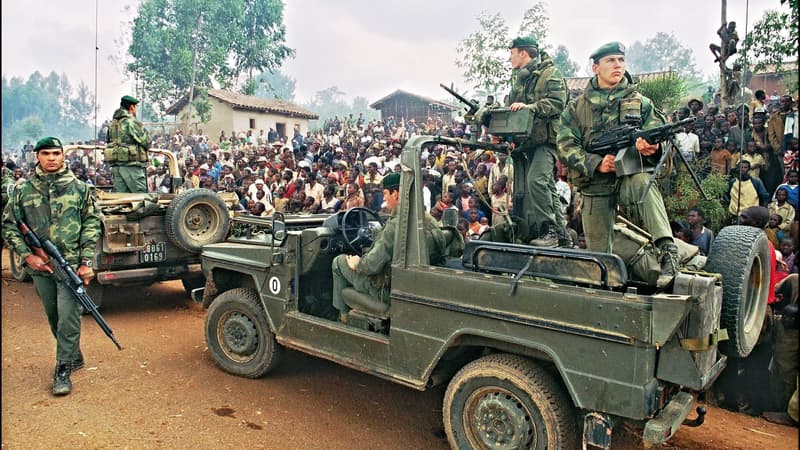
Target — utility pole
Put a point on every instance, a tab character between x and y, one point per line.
194	68
723	85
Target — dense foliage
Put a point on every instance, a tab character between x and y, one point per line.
213	42
773	41
45	105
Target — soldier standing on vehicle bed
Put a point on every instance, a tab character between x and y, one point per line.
539	86
59	207
609	101
126	148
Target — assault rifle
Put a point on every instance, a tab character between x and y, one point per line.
62	271
625	136
472	106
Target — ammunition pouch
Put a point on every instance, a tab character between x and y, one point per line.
124	154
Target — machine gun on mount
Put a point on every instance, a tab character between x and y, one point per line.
619	140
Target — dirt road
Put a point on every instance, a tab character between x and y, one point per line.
164	391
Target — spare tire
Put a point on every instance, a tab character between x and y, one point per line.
195	218
741	254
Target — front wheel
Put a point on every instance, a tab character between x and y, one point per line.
508	402
238	336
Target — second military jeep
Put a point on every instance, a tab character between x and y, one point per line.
540	348
150	237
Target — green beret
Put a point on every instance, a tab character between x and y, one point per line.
391	181
48	142
524	42
612	48
129	99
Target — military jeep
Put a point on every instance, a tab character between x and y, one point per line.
540	347
150	237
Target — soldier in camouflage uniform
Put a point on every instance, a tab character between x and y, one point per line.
59	207
8	180
609	101
539	86
126	148
371	273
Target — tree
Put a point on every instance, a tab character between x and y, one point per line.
275	85
774	40
483	52
566	66
536	22
661	52
666	91
210	41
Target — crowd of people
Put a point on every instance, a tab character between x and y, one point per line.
342	165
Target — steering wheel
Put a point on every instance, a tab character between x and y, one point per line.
355	228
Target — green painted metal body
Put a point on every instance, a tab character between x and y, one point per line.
606	345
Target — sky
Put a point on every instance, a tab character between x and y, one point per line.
365	48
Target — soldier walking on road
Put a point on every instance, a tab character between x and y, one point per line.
59	207
609	101
126	148
539	86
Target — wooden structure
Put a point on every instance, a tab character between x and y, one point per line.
769	80
405	105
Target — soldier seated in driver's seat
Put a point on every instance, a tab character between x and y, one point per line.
371	274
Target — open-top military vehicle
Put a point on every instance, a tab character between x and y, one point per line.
542	348
149	237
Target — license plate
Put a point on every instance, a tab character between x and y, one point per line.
154	252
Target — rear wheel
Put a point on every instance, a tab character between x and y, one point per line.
16	267
238	336
741	254
508	402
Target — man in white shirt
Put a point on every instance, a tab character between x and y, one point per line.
688	142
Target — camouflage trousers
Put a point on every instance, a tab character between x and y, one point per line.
344	277
129	179
542	206
599	212
63	315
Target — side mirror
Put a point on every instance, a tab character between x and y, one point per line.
450	217
278	229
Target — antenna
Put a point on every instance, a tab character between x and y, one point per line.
96	50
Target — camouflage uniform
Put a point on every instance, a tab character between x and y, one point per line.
602	192
373	275
61	208
126	152
8	180
541	87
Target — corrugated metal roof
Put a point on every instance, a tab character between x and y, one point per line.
250	102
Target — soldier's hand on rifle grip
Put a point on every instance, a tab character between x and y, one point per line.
37	263
645	148
607	164
516	106
86	273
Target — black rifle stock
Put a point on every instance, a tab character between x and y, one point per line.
62	271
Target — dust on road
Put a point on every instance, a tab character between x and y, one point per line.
164	391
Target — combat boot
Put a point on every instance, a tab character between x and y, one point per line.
77	363
62	385
564	241
547	239
669	264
